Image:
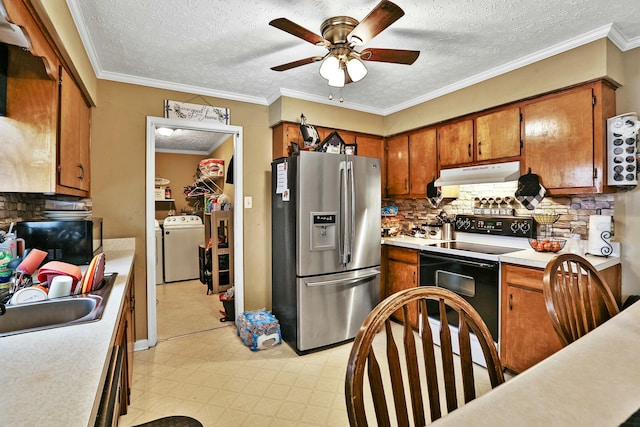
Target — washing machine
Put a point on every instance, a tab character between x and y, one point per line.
182	237
159	256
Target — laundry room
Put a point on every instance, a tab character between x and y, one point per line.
193	202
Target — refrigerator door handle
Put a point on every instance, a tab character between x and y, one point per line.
352	209
344	203
343	281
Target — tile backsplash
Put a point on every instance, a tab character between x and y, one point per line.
574	211
16	207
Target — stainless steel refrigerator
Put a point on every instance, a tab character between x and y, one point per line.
325	246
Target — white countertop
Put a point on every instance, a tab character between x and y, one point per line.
531	258
525	257
54	377
595	381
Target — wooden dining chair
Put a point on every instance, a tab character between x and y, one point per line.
390	365
577	297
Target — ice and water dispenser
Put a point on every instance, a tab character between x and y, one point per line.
324	232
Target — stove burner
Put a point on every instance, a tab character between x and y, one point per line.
475	247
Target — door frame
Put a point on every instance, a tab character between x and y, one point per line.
238	246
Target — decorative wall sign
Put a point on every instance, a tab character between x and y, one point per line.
197	112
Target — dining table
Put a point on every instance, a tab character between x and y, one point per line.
594	381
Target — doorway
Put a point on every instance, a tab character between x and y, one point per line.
231	131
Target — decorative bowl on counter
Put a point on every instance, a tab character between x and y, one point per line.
547	244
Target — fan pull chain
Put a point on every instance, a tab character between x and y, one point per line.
341	99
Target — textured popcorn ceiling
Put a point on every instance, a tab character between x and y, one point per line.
226	48
188	141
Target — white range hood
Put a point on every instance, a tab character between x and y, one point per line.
483	174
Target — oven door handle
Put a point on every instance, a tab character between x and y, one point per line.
480	264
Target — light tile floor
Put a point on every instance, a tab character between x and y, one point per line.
184	308
213	377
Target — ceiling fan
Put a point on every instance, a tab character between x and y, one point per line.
341	35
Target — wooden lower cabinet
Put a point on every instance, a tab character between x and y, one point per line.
402	272
526	333
125	337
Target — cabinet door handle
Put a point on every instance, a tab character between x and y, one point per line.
510	302
405	185
81	171
469	150
480	148
414	277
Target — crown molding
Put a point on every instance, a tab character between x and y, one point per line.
565	46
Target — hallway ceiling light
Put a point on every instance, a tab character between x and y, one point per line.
165	131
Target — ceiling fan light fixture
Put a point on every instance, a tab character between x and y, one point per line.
165	131
330	66
337	79
356	69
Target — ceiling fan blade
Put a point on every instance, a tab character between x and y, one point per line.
383	15
292	28
297	63
396	56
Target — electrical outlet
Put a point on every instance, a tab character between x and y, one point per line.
248	202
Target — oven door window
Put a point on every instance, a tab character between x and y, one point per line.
455	282
475	281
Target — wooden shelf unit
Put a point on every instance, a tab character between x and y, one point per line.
221	232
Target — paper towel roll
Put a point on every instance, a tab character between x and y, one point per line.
600	235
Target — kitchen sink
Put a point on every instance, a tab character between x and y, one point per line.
56	312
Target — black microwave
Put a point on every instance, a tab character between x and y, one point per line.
72	241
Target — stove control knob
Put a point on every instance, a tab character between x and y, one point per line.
463	223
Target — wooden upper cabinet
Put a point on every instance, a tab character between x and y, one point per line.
32	107
455	143
51	116
367	145
19	13
422	160
347	136
565	138
373	146
411	162
282	136
498	134
398	165
74	144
